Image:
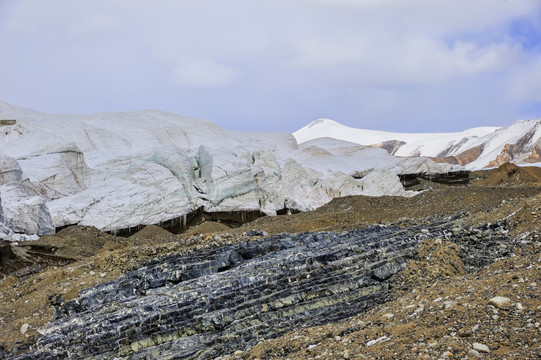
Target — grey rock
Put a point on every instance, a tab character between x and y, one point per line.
482	348
474	353
500	302
24	328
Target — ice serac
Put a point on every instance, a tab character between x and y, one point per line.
22	208
141	192
63	172
121	170
227	182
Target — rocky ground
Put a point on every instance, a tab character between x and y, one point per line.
439	306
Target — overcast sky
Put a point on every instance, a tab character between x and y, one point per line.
276	65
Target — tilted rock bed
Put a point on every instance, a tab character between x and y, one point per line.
227	298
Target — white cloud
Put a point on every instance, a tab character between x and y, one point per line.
290	57
404	60
440	16
391	42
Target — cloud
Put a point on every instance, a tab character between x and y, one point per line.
282	62
404	61
439	16
397	42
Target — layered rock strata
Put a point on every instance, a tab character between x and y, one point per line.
219	300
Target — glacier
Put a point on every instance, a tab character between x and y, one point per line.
125	169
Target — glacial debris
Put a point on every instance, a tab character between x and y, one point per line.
221	299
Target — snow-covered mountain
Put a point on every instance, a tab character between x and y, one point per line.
119	170
475	148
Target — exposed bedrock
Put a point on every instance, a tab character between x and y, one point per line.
449	178
219	300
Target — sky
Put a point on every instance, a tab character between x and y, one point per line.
276	65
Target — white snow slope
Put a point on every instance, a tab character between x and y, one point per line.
119	170
526	135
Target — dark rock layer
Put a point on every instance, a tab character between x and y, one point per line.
216	301
450	178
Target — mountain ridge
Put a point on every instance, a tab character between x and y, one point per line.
522	138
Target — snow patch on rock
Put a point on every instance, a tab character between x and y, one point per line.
519	142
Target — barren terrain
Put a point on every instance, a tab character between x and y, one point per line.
439	307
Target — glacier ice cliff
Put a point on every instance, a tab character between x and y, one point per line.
120	170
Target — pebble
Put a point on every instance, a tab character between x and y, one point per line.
92	273
102	275
388	316
24	328
500	302
474	353
519	306
482	348
446	355
346	354
450	304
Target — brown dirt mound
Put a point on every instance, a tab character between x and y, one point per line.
73	243
510	175
206	227
84	231
151	234
436	260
